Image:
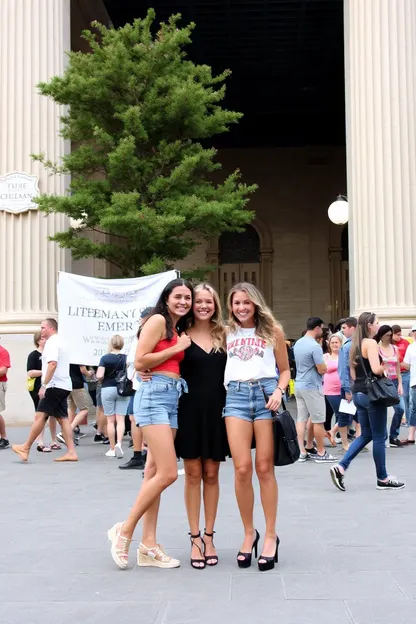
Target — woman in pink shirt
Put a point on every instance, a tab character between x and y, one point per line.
332	382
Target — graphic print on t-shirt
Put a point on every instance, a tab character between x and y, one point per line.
246	348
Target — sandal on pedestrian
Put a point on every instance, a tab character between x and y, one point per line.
43	449
197	564
210	560
55	447
155	557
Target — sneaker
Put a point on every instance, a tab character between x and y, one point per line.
111	453
94	424
4	443
133	464
76	440
311	451
391	484
106	440
338	438
405	424
119	450
60	438
98	438
303	457
326	458
80	434
131	444
77	430
337	478
396	443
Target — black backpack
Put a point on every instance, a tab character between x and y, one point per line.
286	445
124	384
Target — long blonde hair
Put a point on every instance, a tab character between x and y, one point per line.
265	322
218	328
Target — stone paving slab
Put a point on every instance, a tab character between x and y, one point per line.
345	558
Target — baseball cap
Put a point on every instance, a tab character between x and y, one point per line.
413	327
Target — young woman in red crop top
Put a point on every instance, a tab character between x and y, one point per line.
160	349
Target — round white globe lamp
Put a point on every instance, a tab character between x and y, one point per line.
338	211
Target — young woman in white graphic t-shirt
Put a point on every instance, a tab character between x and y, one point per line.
255	348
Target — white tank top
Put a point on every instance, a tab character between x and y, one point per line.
248	357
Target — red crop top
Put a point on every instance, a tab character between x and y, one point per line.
172	364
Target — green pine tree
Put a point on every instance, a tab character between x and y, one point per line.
138	109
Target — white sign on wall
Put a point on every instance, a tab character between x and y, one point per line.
92	310
17	191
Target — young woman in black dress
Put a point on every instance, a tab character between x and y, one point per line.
201	439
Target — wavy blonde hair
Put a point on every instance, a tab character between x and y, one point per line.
266	324
218	328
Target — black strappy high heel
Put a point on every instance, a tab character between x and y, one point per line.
246	562
197	561
268	563
213	558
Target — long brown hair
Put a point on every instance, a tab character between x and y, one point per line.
360	334
218	328
264	320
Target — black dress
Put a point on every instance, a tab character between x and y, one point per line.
201	427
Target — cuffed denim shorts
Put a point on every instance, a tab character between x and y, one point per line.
245	399
156	401
113	403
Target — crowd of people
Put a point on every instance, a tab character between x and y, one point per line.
204	389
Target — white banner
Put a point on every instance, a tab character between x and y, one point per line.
92	310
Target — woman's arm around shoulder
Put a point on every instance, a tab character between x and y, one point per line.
153	332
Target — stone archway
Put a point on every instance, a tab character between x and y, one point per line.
264	262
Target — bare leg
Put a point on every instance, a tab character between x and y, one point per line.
121	427
160	443
211	489
101	421
343	432
136	436
3	433
300	429
23	450
151	515
71	414
309	433
240	435
52	429
319	432
77	420
263	430
40	440
70	454
111	432
193	480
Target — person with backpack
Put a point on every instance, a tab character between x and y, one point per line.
114	405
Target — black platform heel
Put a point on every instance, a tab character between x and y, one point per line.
197	561
246	562
268	563
212	558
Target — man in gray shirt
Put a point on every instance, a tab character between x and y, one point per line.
310	399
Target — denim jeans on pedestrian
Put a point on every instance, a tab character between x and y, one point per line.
406	393
397	416
373	419
412	417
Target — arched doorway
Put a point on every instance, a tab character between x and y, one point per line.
242	256
239	258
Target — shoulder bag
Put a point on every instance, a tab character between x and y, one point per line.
286	445
124	384
380	390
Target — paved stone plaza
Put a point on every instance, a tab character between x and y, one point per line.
345	557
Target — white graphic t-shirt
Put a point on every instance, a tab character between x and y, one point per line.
248	357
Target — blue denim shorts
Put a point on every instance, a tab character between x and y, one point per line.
113	403
156	401
245	399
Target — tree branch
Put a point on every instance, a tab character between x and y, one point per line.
108	233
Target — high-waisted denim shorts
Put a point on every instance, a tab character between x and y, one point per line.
245	399
156	401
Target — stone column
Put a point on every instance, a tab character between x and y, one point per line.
34	36
380	78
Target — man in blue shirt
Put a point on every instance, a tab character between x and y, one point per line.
344	420
310	400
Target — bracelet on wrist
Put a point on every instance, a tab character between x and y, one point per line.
282	391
